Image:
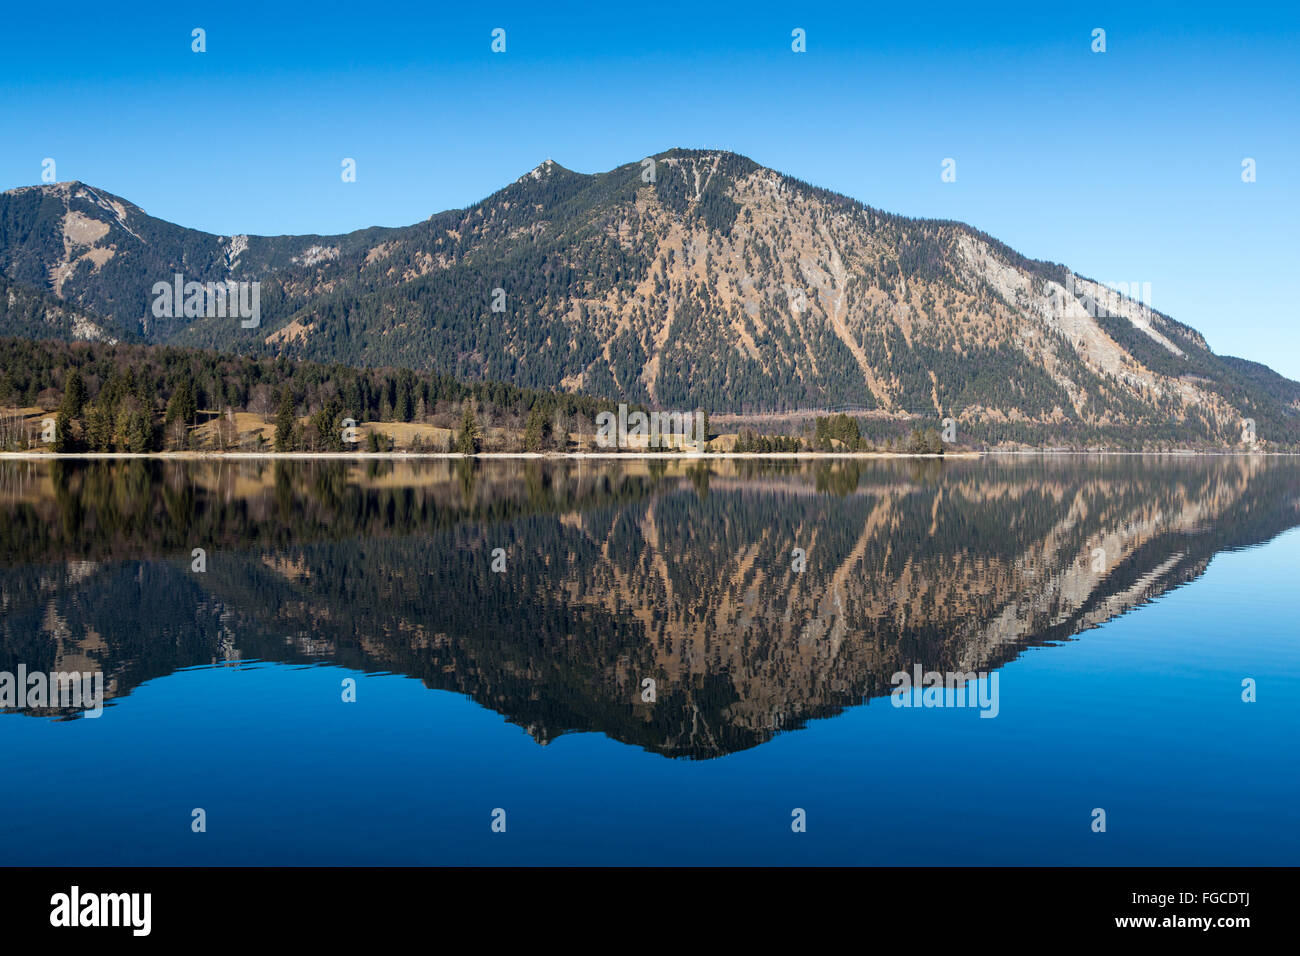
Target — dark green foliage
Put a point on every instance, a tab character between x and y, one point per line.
377	441
285	423
925	441
64	441
325	428
31	312
467	439
166	388
74	395
537	431
748	441
842	428
134	431
182	406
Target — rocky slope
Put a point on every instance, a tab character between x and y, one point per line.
713	283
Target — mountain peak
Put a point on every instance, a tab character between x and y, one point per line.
542	170
65	187
69	189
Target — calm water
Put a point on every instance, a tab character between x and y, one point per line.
1117	603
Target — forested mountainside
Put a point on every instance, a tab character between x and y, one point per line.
691	279
111	397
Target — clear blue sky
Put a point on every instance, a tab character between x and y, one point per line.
1125	166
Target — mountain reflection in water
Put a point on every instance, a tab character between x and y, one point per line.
615	571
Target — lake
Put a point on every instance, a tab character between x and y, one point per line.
642	662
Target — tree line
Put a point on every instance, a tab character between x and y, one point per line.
136	398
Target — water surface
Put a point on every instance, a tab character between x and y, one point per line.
1120	601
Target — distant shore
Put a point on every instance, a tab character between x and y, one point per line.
526	455
615	456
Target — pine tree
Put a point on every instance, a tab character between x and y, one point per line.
537	430
133	432
63	440
325	431
74	395
284	423
99	428
183	406
139	431
467	442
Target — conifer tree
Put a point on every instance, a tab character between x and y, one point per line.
284	423
467	442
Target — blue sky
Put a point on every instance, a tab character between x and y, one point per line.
1124	165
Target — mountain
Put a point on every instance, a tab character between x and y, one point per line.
31	313
720	285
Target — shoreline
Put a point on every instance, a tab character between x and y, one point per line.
615	456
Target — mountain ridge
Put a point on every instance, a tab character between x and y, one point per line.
692	278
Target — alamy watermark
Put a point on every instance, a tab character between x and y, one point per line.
651	430
213	300
1108	299
128	910
978	689
57	689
